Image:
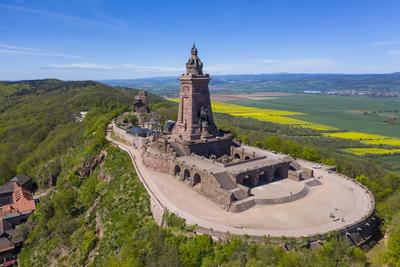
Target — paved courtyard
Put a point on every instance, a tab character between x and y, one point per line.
338	202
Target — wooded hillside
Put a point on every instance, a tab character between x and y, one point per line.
98	213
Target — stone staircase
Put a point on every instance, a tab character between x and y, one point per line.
225	180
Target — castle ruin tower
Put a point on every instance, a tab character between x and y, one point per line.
195	120
140	105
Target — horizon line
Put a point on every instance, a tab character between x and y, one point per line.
170	76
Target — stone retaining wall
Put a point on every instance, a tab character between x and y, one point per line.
280	200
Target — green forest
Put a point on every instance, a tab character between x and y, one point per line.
99	214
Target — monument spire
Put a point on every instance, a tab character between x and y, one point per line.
194	49
194	64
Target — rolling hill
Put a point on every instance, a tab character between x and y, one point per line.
282	82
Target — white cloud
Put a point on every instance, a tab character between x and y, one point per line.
116	67
310	65
103	20
255	66
268	61
393	52
18	50
385	43
13	47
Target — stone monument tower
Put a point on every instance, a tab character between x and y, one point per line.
195	120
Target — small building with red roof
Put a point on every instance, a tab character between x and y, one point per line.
16	204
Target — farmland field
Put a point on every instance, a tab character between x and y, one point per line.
362	151
373	122
379	116
387	142
264	114
358	136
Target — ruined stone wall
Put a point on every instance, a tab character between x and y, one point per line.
242	153
158	163
141	105
162	146
220	196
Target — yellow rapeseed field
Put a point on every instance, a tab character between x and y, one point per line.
269	115
387	142
319	127
246	110
362	151
265	114
357	136
365	138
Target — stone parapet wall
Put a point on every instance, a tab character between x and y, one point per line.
243	205
363	234
121	133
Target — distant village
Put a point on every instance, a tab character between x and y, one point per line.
16	204
359	92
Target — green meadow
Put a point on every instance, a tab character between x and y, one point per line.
363	114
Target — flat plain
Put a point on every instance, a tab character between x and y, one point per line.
379	116
373	122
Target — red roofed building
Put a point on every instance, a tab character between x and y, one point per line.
21	201
16	204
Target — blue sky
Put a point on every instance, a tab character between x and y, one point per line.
105	39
